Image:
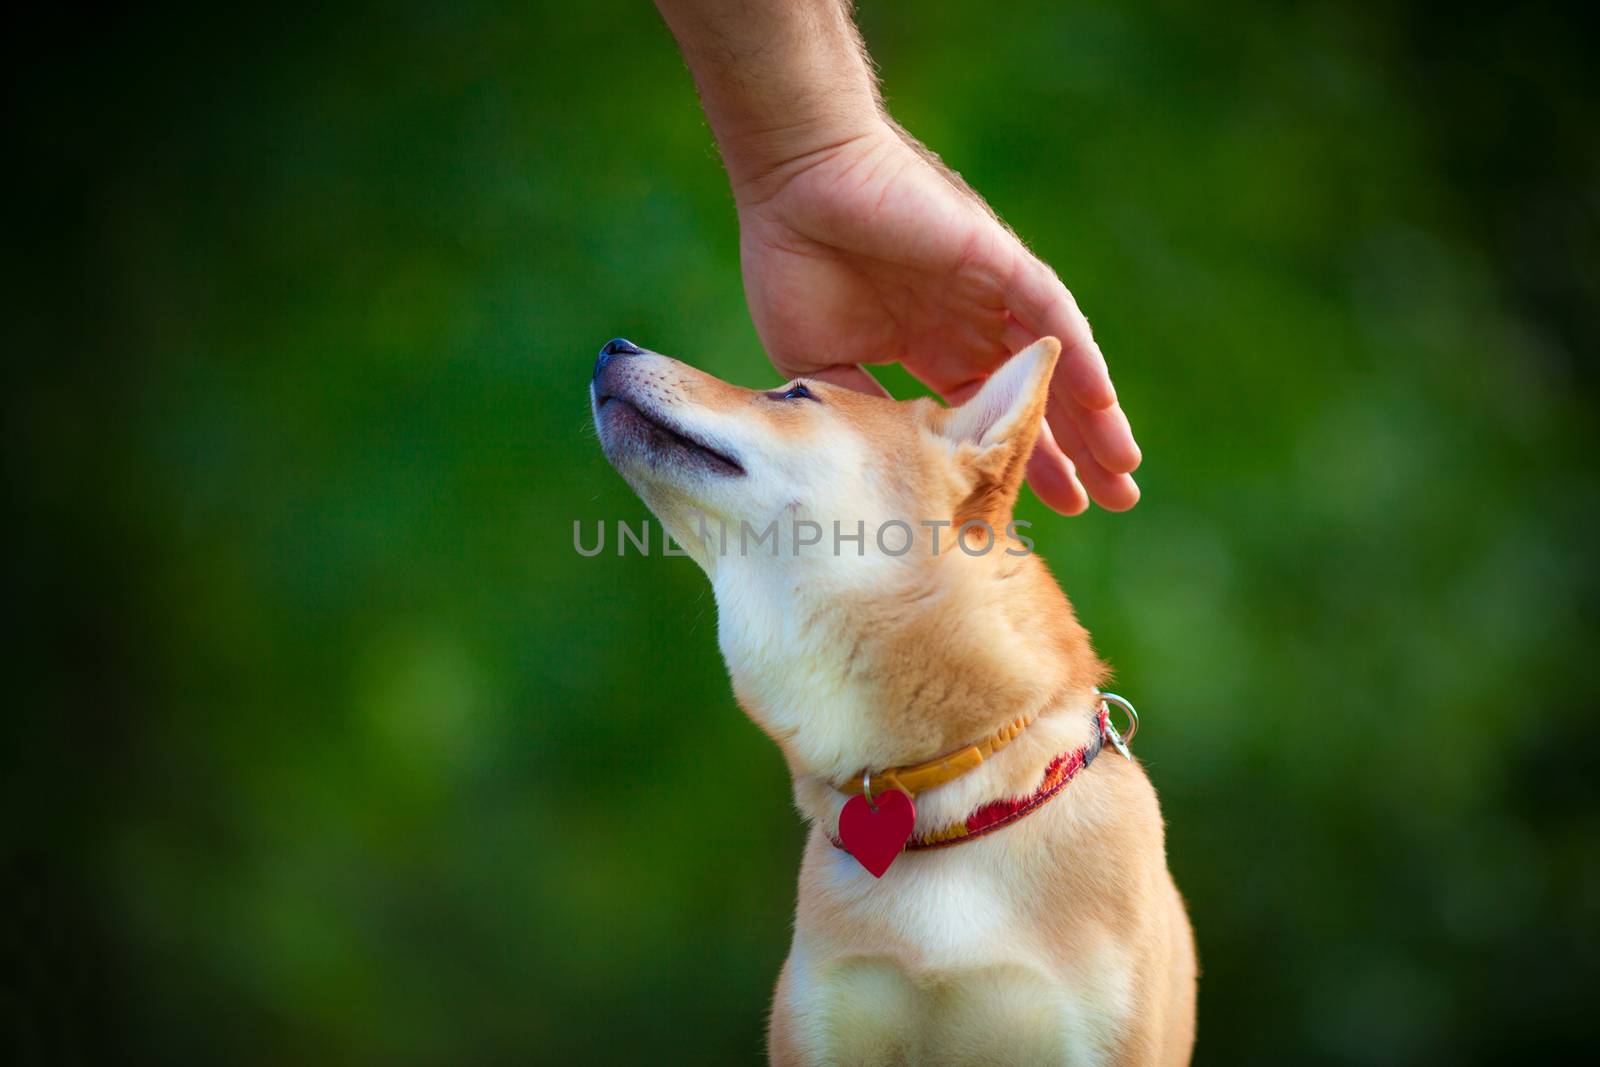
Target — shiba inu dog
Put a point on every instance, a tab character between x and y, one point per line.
985	879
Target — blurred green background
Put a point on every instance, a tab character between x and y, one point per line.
327	747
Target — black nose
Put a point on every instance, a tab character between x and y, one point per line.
617	346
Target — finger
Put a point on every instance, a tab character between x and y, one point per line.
851	377
1045	306
960	394
1016	336
1108	436
1112	491
1051	475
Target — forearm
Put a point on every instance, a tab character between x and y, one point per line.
779	79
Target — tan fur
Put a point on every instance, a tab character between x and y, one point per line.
1058	939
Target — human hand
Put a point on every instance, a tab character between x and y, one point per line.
867	251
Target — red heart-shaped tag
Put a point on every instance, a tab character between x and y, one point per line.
876	837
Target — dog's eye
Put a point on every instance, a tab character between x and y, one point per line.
797	391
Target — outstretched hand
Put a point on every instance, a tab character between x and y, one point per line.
868	252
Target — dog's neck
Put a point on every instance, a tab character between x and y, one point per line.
911	663
1067	725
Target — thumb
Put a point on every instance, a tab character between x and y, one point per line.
851	376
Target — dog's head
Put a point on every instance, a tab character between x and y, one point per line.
710	457
860	548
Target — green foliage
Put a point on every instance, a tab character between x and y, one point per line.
331	748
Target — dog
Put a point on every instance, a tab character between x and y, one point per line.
985	877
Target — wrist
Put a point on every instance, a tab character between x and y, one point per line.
760	159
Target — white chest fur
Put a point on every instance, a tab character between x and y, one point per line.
944	966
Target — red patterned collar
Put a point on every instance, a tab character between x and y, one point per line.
1000	813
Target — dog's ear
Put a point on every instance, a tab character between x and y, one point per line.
995	429
1011	403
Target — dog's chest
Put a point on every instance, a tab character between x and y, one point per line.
943	965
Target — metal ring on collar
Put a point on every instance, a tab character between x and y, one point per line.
1133	716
